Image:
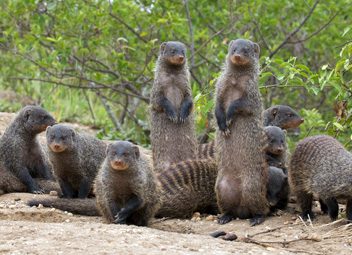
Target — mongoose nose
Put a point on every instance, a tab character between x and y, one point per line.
181	58
56	146
238	57
118	162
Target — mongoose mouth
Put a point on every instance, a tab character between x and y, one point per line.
177	60
239	60
277	151
293	123
57	148
118	165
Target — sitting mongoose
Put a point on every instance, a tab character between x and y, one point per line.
172	136
320	166
76	159
282	116
277	189
241	184
20	152
10	183
126	187
188	187
275	151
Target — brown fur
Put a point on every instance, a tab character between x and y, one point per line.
241	184
20	152
172	135
188	187
76	159
126	179
321	166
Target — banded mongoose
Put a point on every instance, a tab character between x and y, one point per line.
277	189
173	137
275	151
188	187
126	187
10	183
320	166
241	184
20	152
76	159
282	116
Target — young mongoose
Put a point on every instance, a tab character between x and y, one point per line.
275	151
188	187
320	166
20	152
241	184
126	188
172	134
277	189
282	116
76	159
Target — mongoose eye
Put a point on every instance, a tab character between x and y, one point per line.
289	115
234	50
173	51
125	154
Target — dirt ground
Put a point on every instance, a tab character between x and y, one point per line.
32	230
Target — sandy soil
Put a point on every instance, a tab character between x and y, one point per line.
26	230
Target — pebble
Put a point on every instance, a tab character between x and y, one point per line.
52	210
210	218
70	214
12	206
40	206
67	221
53	193
229	237
218	233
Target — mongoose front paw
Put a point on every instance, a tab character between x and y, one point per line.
256	220
38	191
226	218
226	132
120	218
172	116
229	122
182	120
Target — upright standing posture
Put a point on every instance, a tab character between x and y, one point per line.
126	188
173	136
76	159
20	152
241	183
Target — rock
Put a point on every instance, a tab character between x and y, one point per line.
229	237
210	218
53	193
218	233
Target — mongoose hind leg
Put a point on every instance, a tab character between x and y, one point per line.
84	188
323	206
221	119
349	210
225	218
67	190
333	208
257	219
131	206
305	201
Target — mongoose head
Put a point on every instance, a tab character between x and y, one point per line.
276	140
283	116
35	119
173	53
60	138
122	155
243	52
277	185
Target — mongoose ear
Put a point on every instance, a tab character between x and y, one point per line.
136	151
285	132
47	128
231	43
256	48
162	47
27	113
274	111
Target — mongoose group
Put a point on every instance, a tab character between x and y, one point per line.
244	173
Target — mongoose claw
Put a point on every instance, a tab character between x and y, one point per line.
226	218
226	132
256	220
119	219
173	119
38	191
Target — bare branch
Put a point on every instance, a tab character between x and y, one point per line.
190	27
294	31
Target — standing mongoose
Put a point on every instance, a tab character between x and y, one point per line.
282	116
320	166
172	134
20	152
76	159
126	187
188	187
275	151
277	189
241	184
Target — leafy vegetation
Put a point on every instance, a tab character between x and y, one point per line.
92	61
